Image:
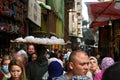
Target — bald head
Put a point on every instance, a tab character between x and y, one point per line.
78	62
75	54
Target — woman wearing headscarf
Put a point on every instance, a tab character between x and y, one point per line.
55	68
112	73
106	62
94	67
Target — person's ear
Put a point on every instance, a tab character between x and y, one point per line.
71	65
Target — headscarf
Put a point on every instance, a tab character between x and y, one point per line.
93	58
107	62
55	59
55	69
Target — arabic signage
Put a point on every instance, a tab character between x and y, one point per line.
34	12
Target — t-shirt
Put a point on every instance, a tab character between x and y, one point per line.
66	56
62	77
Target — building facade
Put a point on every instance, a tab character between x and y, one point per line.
73	21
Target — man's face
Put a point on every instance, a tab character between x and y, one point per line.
31	49
80	65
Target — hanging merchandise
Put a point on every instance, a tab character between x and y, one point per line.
5	8
14	8
11	22
1	7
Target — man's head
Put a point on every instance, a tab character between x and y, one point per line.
78	63
98	56
31	49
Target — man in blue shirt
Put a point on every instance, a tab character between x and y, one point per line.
77	65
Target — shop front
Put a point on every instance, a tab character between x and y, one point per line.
12	22
101	14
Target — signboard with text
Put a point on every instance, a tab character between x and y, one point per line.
34	12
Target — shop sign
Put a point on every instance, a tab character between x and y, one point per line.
34	12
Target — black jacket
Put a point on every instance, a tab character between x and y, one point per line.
36	69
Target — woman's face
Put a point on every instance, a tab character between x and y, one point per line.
93	65
34	57
15	71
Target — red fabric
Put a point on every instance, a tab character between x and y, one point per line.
1	75
101	12
1	6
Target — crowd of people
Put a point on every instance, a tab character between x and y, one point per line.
38	63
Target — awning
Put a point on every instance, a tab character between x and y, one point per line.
100	13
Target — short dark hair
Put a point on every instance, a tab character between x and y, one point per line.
30	45
41	50
6	57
